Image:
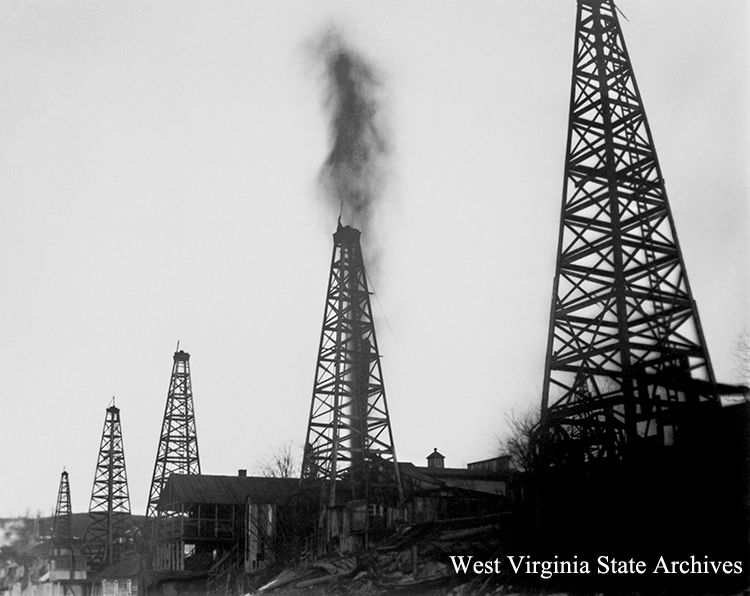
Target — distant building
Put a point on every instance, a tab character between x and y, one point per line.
501	463
65	571
41	568
488	476
207	520
434	492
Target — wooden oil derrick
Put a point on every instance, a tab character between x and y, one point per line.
349	451
625	348
178	442
630	408
62	530
177	453
109	534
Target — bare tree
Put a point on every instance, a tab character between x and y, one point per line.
293	519
516	441
281	464
741	372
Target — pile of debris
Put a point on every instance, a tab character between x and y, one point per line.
417	559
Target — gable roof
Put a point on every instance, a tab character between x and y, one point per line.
225	490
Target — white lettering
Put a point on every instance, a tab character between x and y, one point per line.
462	565
516	566
663	564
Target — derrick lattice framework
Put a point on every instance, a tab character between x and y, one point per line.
349	444
626	351
108	535
62	530
178	443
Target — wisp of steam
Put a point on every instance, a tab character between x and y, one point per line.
353	173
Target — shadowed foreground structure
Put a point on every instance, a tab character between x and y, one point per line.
635	454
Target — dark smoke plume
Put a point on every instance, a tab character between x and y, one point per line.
353	173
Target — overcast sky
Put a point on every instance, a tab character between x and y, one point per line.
158	183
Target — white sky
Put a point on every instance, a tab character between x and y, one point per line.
158	165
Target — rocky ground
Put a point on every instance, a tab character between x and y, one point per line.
417	561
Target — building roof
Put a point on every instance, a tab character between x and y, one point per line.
409	470
467	473
225	490
497	463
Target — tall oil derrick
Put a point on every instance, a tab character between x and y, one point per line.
178	443
110	524
62	530
626	352
61	548
630	407
349	449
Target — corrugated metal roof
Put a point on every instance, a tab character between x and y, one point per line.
225	490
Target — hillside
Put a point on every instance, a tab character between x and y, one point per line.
23	535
